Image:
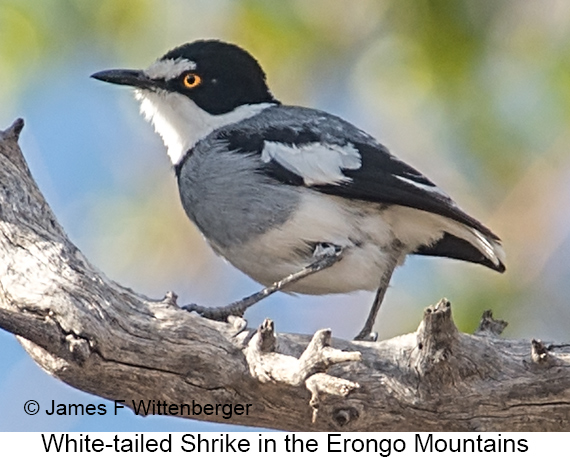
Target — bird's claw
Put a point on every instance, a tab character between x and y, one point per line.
367	336
217	314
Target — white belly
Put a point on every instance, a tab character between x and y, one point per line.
365	231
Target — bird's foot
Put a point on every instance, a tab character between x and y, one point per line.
366	335
217	314
327	251
230	314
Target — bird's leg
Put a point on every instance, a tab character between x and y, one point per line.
325	256
366	334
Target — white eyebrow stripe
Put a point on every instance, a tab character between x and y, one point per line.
169	68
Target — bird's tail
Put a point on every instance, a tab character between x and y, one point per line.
467	243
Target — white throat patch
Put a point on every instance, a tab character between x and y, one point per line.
181	123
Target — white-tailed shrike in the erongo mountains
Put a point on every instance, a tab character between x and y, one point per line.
291	196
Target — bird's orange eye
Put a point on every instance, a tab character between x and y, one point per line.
191	80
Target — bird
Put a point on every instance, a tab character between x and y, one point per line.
296	198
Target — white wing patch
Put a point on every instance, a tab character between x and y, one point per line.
169	68
316	163
427	188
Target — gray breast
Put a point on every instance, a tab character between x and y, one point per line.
226	196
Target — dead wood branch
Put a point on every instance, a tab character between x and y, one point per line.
108	340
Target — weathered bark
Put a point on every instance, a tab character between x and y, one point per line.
105	339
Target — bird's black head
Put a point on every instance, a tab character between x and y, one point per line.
217	76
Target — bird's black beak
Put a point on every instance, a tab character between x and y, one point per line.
133	78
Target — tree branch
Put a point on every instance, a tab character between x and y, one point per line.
108	340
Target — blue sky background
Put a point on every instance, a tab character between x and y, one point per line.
475	95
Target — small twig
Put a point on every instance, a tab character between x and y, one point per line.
489	325
268	366
539	353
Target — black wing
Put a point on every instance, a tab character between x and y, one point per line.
384	178
305	147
